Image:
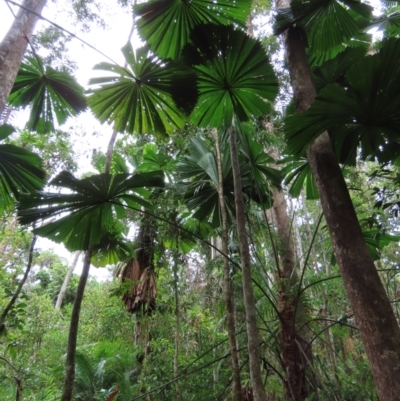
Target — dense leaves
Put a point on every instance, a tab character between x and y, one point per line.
20	171
363	110
93	206
139	98
235	77
47	92
166	25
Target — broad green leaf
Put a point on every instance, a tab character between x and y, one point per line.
21	171
235	77
6	130
333	70
201	193
153	160
365	112
328	23
140	98
89	210
111	250
47	92
298	173
166	24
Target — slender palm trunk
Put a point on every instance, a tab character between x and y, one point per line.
12	47
73	329
64	286
229	301
293	344
11	303
248	295
373	312
177	326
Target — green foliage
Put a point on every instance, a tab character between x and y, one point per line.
166	25
48	92
21	171
328	24
140	98
93	206
234	76
362	112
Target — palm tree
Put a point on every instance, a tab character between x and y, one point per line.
372	111
93	207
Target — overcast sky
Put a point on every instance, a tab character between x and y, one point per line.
87	133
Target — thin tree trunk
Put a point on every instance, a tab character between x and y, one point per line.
73	329
290	338
20	285
64	286
12	47
248	295
177	327
373	312
229	301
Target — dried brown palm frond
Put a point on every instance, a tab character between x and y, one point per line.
140	272
143	293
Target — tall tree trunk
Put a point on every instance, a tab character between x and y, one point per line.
229	301
291	317
248	295
373	312
177	325
64	286
20	285
12	47
73	329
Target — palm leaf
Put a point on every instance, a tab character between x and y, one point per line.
166	24
21	171
328	23
366	111
234	76
139	98
48	92
298	173
201	193
92	206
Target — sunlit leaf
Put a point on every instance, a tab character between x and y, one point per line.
235	77
140	98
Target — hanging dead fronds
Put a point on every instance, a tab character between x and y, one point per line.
140	272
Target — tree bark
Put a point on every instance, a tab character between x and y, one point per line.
64	286
20	285
248	295
290	339
12	47
373	312
177	325
73	330
229	301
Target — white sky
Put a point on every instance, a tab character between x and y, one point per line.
88	133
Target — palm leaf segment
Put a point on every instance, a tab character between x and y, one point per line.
364	110
166	24
20	171
139	98
49	92
92	207
234	76
328	23
200	168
